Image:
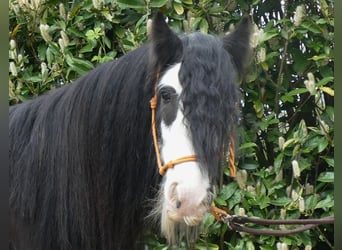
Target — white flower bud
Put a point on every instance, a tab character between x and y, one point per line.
308	247
97	4
298	16
255	36
13	69
62	12
242	211
295	169
241	178
65	38
301	204
149	27
261	55
13	44
282	213
310	83
251	189
294	195
43	68
282	246
281	142
61	44
45	33
20	58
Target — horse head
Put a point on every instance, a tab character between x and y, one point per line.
196	102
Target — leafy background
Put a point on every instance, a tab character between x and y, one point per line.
286	144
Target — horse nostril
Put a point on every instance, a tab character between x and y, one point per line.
178	204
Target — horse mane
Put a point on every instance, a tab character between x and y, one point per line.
61	183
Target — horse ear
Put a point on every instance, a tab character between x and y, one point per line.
166	47
238	44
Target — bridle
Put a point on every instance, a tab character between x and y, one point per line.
163	167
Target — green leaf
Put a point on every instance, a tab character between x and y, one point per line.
220	201
328	160
75	32
228	190
247	145
311	201
266	36
32	78
204	26
178	8
311	27
282	201
157	3
207	246
81	66
189	2
88	48
42	52
326	177
134	4
326	203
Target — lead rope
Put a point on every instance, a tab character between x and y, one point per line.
236	222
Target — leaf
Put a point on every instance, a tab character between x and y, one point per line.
228	190
326	177
325	80
327	90
134	4
247	145
178	8
88	48
32	78
259	108
266	36
282	201
204	26
187	2
326	203
322	146
81	66
311	27
329	161
157	3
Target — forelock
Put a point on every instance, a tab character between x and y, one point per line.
209	96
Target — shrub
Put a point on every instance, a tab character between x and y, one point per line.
286	164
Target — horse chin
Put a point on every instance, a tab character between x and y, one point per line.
176	227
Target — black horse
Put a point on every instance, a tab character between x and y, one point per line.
83	167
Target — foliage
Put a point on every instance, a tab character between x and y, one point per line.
286	135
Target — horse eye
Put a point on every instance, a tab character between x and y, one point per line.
167	93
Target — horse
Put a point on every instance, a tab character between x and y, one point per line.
84	158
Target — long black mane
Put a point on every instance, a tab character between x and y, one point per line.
72	162
82	163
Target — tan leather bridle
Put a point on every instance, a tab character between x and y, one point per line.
163	167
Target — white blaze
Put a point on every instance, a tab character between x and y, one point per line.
185	187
